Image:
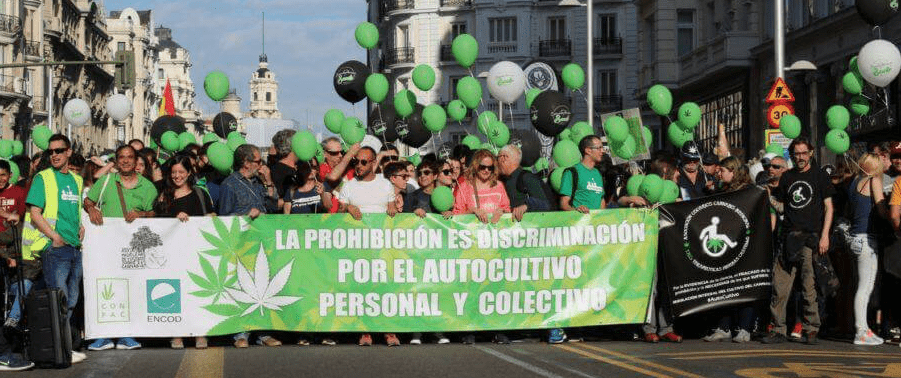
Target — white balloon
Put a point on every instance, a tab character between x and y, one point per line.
879	62
77	112
118	106
506	82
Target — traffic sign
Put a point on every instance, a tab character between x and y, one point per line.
776	111
780	92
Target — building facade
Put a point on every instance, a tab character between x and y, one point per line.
417	32
175	67
264	92
133	30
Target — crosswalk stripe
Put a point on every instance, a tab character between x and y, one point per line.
202	363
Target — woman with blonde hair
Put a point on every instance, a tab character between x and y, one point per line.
867	203
481	193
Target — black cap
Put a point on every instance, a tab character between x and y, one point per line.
709	159
690	151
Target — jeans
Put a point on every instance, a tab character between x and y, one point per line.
62	270
864	247
15	311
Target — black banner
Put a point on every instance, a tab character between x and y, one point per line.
716	251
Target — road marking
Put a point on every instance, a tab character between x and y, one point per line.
555	363
772	353
206	363
611	361
641	361
518	362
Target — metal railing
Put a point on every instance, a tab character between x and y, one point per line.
38	104
32	48
393	5
447	53
456	3
607	103
502	47
493	106
399	55
9	24
555	47
11	84
608	46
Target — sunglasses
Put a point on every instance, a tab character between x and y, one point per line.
447	172
774	166
489	168
57	151
335	153
392	157
425	172
405	177
363	163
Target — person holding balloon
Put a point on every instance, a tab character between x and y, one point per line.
582	185
335	168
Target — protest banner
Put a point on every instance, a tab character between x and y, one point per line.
716	251
324	273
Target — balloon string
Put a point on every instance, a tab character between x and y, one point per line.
384	140
596	113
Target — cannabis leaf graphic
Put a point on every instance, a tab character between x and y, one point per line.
259	291
107	293
715	245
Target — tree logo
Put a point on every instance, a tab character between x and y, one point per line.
716	235
144	251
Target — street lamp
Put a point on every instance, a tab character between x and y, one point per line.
590	53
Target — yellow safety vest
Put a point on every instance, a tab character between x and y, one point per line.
33	240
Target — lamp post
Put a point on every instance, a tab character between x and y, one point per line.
589	65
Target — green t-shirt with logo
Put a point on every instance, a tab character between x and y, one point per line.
589	189
139	198
69	216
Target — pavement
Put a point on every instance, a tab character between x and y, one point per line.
692	359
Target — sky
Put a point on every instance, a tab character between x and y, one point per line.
306	40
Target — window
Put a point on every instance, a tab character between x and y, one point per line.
607	27
403	36
685	24
161	74
453	86
268	96
256	96
607	83
457	28
649	52
121	46
502	29
556	28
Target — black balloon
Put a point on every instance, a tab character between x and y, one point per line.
350	81
166	123
550	113
877	12
411	130
528	143
381	123
224	123
445	151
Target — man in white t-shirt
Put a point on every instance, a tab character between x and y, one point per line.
367	193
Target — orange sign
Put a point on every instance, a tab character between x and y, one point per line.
780	92
776	111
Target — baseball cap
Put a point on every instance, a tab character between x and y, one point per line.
895	148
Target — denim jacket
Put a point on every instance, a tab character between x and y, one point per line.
238	195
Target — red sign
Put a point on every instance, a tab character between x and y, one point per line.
780	92
776	111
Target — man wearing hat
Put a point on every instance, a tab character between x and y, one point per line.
692	181
895	158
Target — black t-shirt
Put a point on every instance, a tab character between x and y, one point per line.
803	194
304	202
280	174
189	204
418	199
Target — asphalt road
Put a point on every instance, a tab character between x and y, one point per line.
694	358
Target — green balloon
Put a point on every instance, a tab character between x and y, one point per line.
234	140
573	76
333	119
376	87
424	77
670	193
216	85
415	159
484	121
41	136
542	164
633	184
648	137
660	100
565	134
557	179
457	110
404	103
18	147
352	130
469	91
651	188
13	171
498	133
626	149
465	50
852	66
530	96
677	135
838	141
580	130
320	153
774	148
221	156
6	148
169	141
185	139
852	83
210	137
303	143
790	126
689	115
837	117
367	35
434	118
566	153
472	142
860	105
152	144
442	198
617	129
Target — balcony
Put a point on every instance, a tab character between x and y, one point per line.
12	86
32	49
493	106
501	47
38	105
608	46
729	50
456	3
9	24
388	6
399	55
447	53
608	103
555	48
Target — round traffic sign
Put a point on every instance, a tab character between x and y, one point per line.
776	112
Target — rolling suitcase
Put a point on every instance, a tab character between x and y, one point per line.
49	332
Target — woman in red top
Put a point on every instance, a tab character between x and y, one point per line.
482	194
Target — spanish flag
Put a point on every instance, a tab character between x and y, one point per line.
167	104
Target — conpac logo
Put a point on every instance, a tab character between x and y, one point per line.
720	231
112	300
144	251
163	296
799	194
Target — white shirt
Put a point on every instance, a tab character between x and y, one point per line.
370	196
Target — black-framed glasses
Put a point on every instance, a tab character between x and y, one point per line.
447	172
57	151
775	166
405	177
426	172
489	168
392	157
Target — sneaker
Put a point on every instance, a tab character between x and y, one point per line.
12	362
443	340
469	339
718	335
773	338
177	343
268	341
742	337
303	342
867	338
365	340
391	340
101	344
200	342
241	343
811	338
671	337
501	338
329	342
11	323
556	336
416	338
797	331
78	357
127	343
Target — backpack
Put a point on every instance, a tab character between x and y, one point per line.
536	204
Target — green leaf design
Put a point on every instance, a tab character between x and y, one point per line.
223	309
199	281
203	293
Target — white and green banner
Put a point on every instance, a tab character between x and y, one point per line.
330	273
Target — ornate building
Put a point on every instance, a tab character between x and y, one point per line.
175	65
133	30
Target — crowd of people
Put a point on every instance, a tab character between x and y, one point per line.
851	208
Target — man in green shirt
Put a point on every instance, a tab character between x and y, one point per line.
138	194
586	192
